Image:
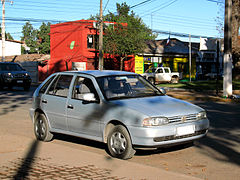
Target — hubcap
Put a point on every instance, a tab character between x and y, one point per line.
118	143
40	129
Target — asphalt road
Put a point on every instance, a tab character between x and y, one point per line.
216	156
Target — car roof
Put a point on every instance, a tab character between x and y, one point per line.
8	63
98	73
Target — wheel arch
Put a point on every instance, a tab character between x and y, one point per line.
39	111
110	125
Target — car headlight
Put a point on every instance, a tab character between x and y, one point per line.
155	121
202	115
8	75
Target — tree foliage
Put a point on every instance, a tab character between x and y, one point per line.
8	36
37	40
128	35
30	37
44	39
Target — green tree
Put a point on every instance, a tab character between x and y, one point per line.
44	38
8	36
30	37
127	36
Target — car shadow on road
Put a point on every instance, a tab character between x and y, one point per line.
163	150
80	141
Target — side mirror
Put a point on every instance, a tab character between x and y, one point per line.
163	91
89	97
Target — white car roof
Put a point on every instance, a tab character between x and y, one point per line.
98	73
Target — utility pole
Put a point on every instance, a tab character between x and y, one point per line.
227	78
217	67
190	59
3	28
100	63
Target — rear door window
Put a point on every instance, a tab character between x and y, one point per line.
45	86
60	86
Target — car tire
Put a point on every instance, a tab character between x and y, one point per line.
26	88
175	80
41	128
119	143
151	80
10	87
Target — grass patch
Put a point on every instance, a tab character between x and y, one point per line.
201	85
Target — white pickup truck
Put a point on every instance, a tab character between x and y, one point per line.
161	74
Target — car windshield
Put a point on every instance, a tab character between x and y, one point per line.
126	86
10	67
151	70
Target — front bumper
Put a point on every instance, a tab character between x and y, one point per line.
17	82
167	135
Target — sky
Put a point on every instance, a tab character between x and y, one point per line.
195	17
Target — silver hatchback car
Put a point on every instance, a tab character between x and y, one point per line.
119	108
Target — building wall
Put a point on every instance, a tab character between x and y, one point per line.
11	48
75	41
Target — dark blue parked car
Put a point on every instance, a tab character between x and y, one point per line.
12	74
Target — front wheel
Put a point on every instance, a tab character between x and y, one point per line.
26	88
119	143
41	128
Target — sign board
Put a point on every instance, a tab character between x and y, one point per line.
80	66
208	44
139	66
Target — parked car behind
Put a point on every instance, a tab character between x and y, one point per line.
161	74
118	108
12	74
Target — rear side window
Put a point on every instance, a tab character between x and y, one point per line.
60	86
45	86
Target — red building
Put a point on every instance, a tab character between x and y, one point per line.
73	46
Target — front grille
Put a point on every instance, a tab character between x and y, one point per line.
19	75
189	117
173	137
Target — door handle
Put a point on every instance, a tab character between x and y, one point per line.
44	101
70	106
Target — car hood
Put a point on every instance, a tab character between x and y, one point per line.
15	72
159	106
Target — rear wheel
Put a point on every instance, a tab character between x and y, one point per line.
175	80
41	129
119	143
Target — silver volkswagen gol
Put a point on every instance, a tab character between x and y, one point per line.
119	108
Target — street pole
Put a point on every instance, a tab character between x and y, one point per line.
190	59
217	67
100	63
3	30
227	79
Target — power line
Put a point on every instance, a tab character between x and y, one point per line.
165	6
140	3
180	34
105	6
220	2
162	6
